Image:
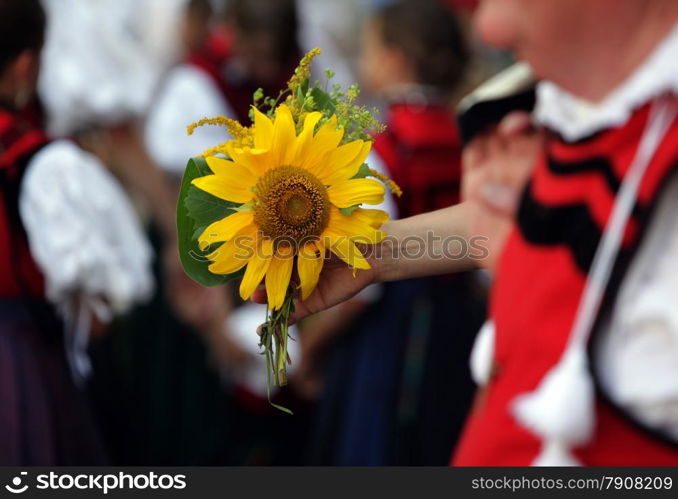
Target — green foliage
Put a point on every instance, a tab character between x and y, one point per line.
197	209
359	122
348	210
363	172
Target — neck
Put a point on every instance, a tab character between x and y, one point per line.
618	50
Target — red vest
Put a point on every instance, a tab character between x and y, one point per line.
19	140
540	280
422	151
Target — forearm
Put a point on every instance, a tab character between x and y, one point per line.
429	244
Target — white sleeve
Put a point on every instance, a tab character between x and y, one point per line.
187	95
637	356
82	230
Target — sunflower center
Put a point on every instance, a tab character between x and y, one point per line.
291	204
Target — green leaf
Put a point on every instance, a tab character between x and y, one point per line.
349	209
203	208
195	210
323	101
304	87
363	172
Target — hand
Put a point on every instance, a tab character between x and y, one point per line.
336	285
496	168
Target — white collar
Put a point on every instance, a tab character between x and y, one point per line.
575	118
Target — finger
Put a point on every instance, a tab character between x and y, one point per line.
303	309
515	123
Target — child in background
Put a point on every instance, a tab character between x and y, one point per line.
71	256
398	388
415	57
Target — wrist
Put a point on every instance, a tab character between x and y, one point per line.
380	259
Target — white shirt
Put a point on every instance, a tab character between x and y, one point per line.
187	95
82	230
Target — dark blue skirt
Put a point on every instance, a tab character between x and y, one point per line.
44	419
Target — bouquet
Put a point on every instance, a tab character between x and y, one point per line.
273	201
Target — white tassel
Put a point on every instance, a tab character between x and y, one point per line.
561	408
555	453
482	355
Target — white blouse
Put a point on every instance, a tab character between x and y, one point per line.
85	238
187	95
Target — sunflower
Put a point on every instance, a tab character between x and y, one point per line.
298	197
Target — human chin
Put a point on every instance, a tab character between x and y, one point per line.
495	23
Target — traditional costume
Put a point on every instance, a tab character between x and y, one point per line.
579	358
65	257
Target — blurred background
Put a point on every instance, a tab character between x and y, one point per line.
177	380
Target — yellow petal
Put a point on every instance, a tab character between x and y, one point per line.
324	142
226	228
328	136
305	138
232	173
345	249
263	130
309	265
231	256
356	191
229	187
374	218
255	160
219	165
278	277
354	227
283	146
256	268
341	163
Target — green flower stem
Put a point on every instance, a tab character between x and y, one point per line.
273	341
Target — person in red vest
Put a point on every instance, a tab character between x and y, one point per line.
226	57
71	256
580	354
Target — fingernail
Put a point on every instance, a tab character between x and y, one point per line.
515	122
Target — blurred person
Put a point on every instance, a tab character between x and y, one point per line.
224	58
97	84
97	92
253	44
156	397
332	26
71	257
265	49
398	388
188	93
578	360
